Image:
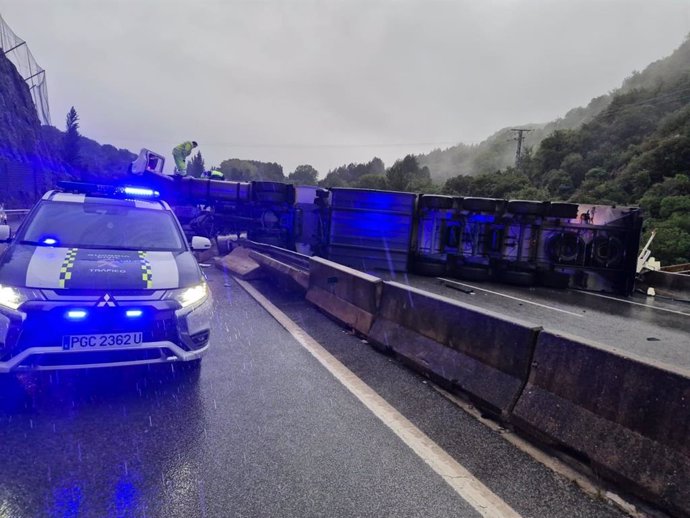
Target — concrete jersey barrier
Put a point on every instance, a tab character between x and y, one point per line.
483	354
288	275
348	295
630	418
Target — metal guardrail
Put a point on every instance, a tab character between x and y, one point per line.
289	257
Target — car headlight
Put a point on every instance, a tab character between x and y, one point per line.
188	296
14	297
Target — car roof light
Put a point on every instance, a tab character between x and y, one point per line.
50	241
141	192
109	191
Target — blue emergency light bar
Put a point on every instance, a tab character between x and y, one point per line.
140	192
111	191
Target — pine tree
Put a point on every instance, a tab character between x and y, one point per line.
196	165
71	144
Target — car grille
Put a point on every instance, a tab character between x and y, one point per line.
46	328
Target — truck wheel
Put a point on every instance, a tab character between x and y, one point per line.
565	247
607	251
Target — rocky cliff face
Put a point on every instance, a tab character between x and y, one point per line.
19	124
31	155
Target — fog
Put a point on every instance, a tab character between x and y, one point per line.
328	82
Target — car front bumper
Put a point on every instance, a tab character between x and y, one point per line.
31	338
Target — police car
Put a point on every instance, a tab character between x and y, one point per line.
100	276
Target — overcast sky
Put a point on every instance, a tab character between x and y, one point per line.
328	82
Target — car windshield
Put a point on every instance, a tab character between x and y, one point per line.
103	224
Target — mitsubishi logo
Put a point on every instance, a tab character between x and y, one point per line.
106	301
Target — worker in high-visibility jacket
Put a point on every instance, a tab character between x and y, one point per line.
180	154
213	174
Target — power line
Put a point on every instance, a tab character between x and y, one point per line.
519	137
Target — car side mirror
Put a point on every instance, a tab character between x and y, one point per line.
5	233
199	244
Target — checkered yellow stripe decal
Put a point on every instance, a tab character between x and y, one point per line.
67	265
146	274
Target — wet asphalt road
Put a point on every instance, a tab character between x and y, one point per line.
644	326
264	431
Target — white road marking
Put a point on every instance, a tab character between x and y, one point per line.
470	489
449	281
635	303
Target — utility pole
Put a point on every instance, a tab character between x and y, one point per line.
519	137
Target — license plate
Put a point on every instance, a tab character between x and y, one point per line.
104	340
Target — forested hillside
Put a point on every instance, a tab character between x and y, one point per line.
498	151
636	151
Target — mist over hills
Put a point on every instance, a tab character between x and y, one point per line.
498	150
634	151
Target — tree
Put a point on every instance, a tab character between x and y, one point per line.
406	175
303	175
71	142
196	166
238	170
350	174
460	184
371	181
559	184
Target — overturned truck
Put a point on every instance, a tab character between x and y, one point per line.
521	242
